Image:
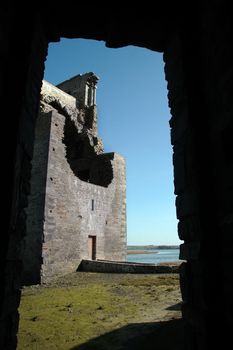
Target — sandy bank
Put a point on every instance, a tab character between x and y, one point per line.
140	252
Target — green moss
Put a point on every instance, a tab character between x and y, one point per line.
55	316
152	280
62	317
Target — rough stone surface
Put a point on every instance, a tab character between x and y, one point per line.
127	267
197	48
66	207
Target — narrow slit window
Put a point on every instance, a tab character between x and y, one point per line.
92	204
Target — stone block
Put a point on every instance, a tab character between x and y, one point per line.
180	179
189	229
189	251
187	204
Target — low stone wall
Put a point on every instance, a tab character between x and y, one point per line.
126	267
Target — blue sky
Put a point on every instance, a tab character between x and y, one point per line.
133	117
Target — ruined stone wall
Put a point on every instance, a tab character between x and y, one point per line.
19	123
200	98
36	202
115	229
186	186
205	33
217	77
69	217
55	94
64	209
82	87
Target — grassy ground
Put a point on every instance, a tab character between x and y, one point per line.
101	311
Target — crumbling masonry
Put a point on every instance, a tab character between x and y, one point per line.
196	40
77	203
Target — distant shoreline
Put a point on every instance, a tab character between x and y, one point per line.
150	247
129	252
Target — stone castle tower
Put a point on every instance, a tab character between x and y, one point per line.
77	205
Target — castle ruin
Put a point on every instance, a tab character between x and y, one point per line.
77	204
196	41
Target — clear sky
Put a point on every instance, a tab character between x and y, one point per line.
133	117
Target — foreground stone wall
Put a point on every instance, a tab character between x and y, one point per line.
200	98
19	122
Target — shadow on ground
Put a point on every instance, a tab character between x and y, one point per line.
175	307
166	335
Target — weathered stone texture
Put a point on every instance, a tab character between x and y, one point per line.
197	46
64	209
36	201
201	134
82	87
17	162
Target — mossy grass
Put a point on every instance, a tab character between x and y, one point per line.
76	308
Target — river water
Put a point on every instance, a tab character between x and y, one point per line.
160	255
